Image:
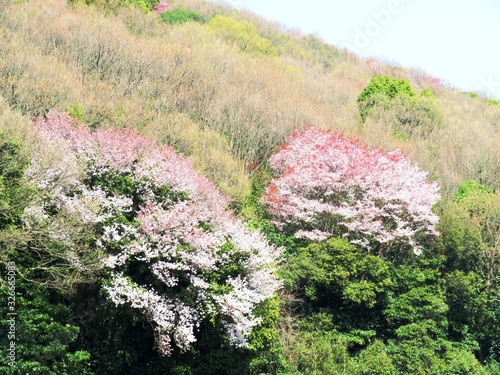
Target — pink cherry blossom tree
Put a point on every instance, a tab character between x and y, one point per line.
151	211
326	185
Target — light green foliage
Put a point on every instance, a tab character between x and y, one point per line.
114	5
264	334
393	101
461	362
264	340
479	209
493	368
77	111
493	102
472	94
380	91
143	4
460	242
375	360
242	33
181	15
468	188
421	355
470	244
322	352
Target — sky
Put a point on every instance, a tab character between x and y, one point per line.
457	41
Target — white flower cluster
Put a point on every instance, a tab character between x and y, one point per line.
182	231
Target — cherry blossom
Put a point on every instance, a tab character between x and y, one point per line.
327	185
148	205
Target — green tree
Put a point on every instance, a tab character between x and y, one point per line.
394	102
45	342
181	15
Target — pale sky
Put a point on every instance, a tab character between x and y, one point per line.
455	40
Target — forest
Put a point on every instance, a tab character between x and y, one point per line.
187	188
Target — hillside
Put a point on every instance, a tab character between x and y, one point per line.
129	90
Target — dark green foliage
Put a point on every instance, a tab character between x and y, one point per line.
45	341
418	314
181	15
121	342
12	194
342	291
335	272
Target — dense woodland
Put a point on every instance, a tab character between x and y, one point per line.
186	188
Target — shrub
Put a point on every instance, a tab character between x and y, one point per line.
470	187
380	91
181	15
393	101
472	94
145	5
480	211
327	185
173	250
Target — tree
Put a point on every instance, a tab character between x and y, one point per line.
393	101
181	15
171	248
327	185
380	91
471	246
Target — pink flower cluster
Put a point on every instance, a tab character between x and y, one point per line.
162	7
185	234
326	183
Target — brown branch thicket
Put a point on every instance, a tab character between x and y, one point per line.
126	68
